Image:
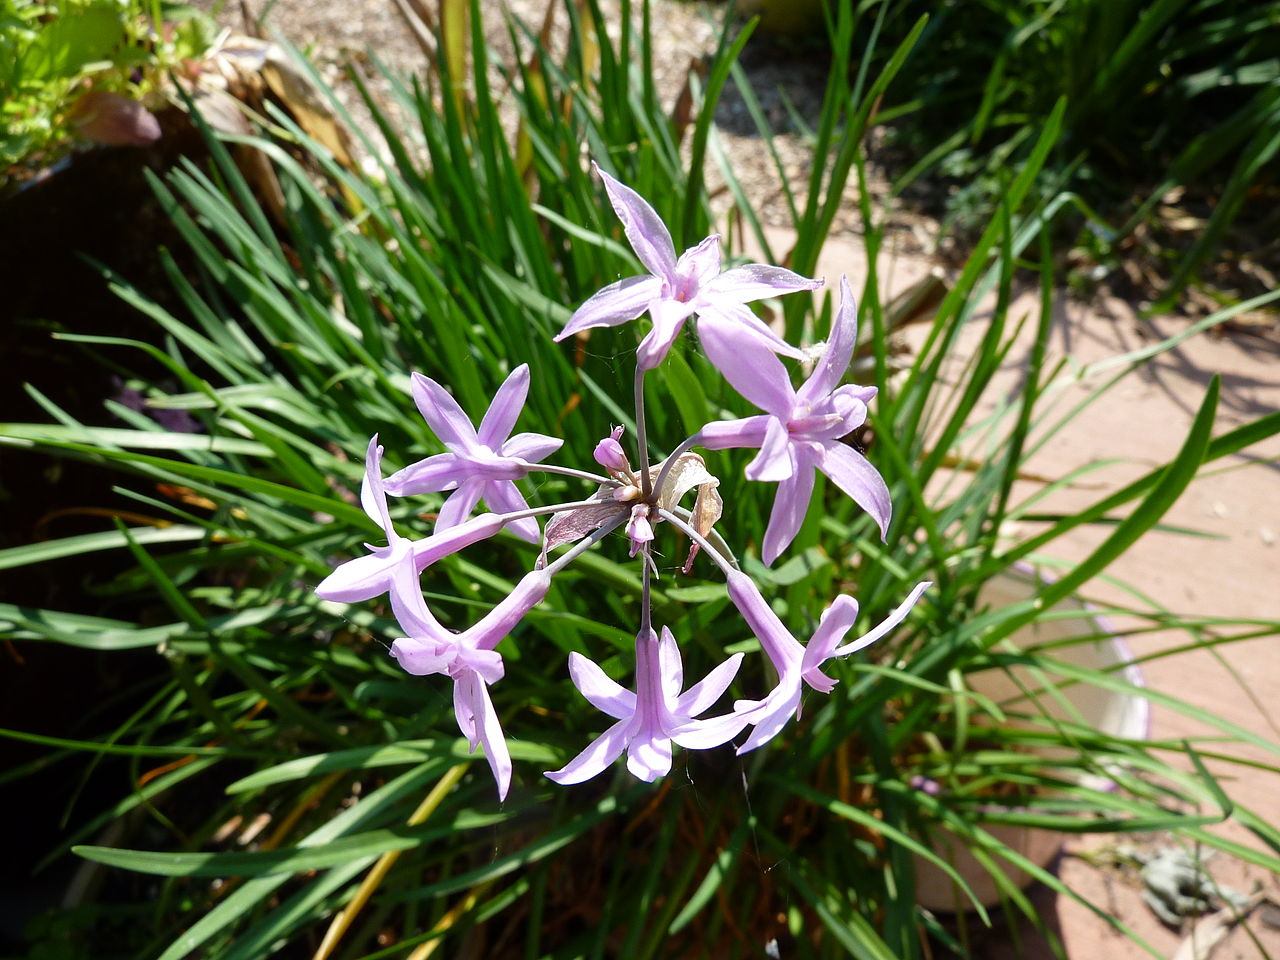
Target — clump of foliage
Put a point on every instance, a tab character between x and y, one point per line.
1159	94
53	55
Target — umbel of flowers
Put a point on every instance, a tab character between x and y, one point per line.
796	434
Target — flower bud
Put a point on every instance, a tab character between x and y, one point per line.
609	454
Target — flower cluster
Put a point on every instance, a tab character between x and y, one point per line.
797	433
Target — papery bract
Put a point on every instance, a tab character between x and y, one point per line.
652	717
802	429
676	289
480	463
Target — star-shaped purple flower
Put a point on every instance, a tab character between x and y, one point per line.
652	717
676	289
480	464
470	659
396	567
798	665
801	429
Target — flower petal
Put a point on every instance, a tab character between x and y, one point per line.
885	625
670	666
860	481
373	497
360	579
500	419
712	732
748	365
668	318
740	318
777	459
458	505
531	447
649	758
755	281
443	415
789	508
831	367
601	752
724	434
502	496
617	303
442	471
835	623
645	230
478	722
598	690
772	713
423	658
703	694
697	267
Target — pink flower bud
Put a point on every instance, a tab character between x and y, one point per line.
609	454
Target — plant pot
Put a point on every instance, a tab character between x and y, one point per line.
1121	714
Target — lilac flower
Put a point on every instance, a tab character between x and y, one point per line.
652	717
395	568
801	429
675	290
480	464
796	664
470	659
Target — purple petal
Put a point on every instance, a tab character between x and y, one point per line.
479	723
649	758
443	471
668	318
423	658
703	694
360	579
748	365
601	752
645	230
724	434
598	690
617	303
373	498
860	481
776	460
712	732
835	360
835	623
500	419
417	620
531	447
789	507
887	624
755	281
670	666
774	712
458	505
443	415
697	267
744	323
502	496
